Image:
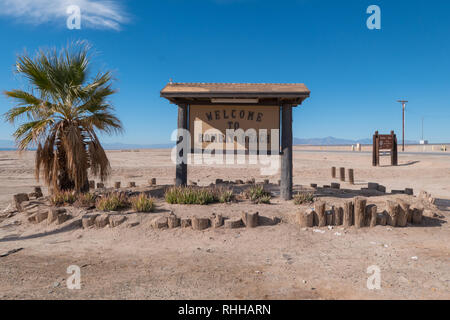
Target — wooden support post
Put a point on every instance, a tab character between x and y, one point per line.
286	152
393	210
305	218
375	157
251	220
181	168
338	216
319	208
373	216
333	172
404	212
348	214
351	178
394	151
360	211
342	174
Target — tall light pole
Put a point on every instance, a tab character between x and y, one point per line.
403	102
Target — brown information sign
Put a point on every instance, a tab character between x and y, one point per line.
384	142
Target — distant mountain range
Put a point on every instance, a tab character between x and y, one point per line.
332	141
328	141
122	146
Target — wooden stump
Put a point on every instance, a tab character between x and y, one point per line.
117	185
160	223
351	178
342	174
382	218
393	210
38	192
233	223
335	185
360	210
417	215
186	223
116	220
348	214
330	216
200	223
319	208
250	219
338	216
88	220
173	221
373	216
402	218
216	220
101	221
305	218
368	215
153	182
373	186
53	214
333	172
63	218
18	199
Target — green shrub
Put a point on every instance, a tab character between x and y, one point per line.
85	200
189	195
301	198
113	202
225	196
257	194
143	203
63	198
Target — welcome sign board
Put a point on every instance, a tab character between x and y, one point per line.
209	123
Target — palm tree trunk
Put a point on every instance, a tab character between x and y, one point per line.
64	181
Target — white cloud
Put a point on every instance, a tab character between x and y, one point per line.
100	14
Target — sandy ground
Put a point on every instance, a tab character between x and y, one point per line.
268	262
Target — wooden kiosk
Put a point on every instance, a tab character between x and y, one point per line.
239	105
387	142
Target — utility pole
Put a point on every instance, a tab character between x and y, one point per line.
403	102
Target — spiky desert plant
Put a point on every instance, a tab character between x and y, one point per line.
143	203
257	194
62	111
113	202
302	198
62	198
189	195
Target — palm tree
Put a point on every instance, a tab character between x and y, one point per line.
62	111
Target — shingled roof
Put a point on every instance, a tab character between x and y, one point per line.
275	92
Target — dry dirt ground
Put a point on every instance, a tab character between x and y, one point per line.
269	262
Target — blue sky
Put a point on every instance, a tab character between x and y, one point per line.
355	75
